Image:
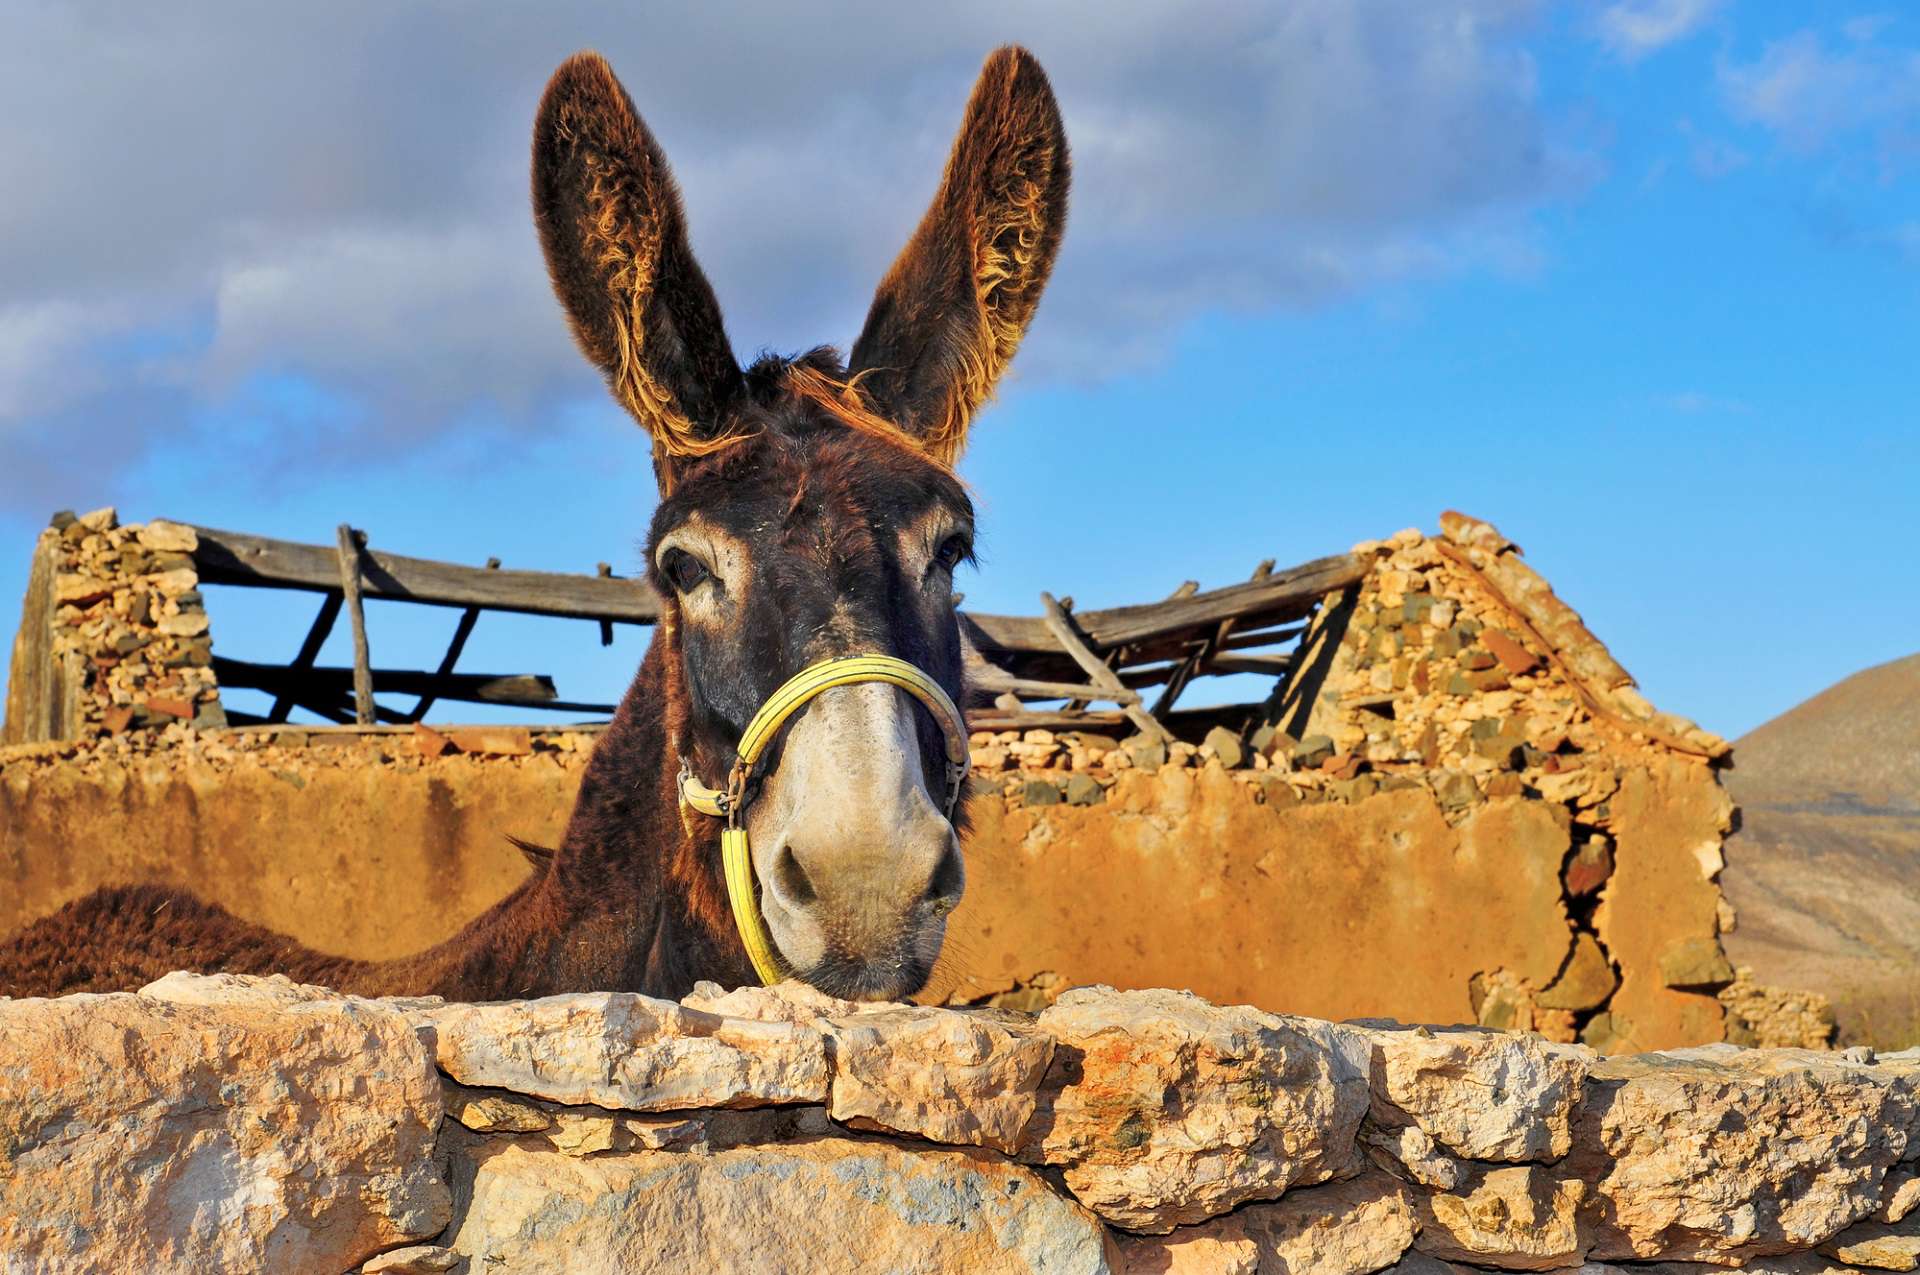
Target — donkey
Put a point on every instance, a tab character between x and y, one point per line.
808	510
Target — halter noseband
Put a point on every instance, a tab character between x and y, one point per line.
781	705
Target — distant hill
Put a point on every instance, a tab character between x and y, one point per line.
1825	869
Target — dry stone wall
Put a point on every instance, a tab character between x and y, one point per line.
1459	808
241	1124
114	635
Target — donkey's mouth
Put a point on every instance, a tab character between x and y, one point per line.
855	979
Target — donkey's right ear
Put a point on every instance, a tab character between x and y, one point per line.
951	311
615	240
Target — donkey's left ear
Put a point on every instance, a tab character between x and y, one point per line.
615	239
952	310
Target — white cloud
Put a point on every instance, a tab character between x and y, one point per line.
424	324
340	192
1635	28
1808	94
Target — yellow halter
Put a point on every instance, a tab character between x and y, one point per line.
782	704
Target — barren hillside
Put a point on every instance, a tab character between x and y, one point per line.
1825	870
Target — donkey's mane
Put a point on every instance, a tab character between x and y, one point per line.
775	384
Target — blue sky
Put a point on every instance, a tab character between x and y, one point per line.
1636	282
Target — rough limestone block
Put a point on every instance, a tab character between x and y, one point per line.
1717	1154
1878	1245
161	535
628	1052
962	1076
801	1208
1479	1094
139	1135
415	1259
1162	1109
1343	1228
1522	1217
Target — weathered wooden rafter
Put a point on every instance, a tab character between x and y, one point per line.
1062	656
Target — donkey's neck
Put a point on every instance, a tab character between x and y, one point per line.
633	899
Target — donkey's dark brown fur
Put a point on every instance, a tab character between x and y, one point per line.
830	491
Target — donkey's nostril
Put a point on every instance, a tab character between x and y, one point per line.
949	878
796	888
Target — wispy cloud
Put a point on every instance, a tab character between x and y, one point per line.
338	194
1809	94
1633	29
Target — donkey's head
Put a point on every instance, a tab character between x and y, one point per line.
809	509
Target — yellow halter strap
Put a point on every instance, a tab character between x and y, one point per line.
728	803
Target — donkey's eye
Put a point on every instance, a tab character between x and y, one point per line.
952	552
683	571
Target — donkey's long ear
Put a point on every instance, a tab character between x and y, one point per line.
952	310
615	239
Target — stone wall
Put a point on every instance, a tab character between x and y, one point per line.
251	1124
1458	811
113	634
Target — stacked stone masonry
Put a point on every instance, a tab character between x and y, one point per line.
1452	684
127	630
242	1124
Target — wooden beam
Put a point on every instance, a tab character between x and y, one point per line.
316	637
304	685
231	557
1190	724
234	558
350	588
461	632
1265	637
993	681
1276	599
603	571
1055	618
1264	665
1046	719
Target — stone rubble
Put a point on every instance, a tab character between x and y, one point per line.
238	1123
130	624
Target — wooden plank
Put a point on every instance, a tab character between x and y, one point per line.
461	632
1201	660
993	681
603	571
350	588
1046	719
309	650
1264	665
227	557
1190	724
37	694
1238	641
1055	618
323	683
1281	596
346	734
231	557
